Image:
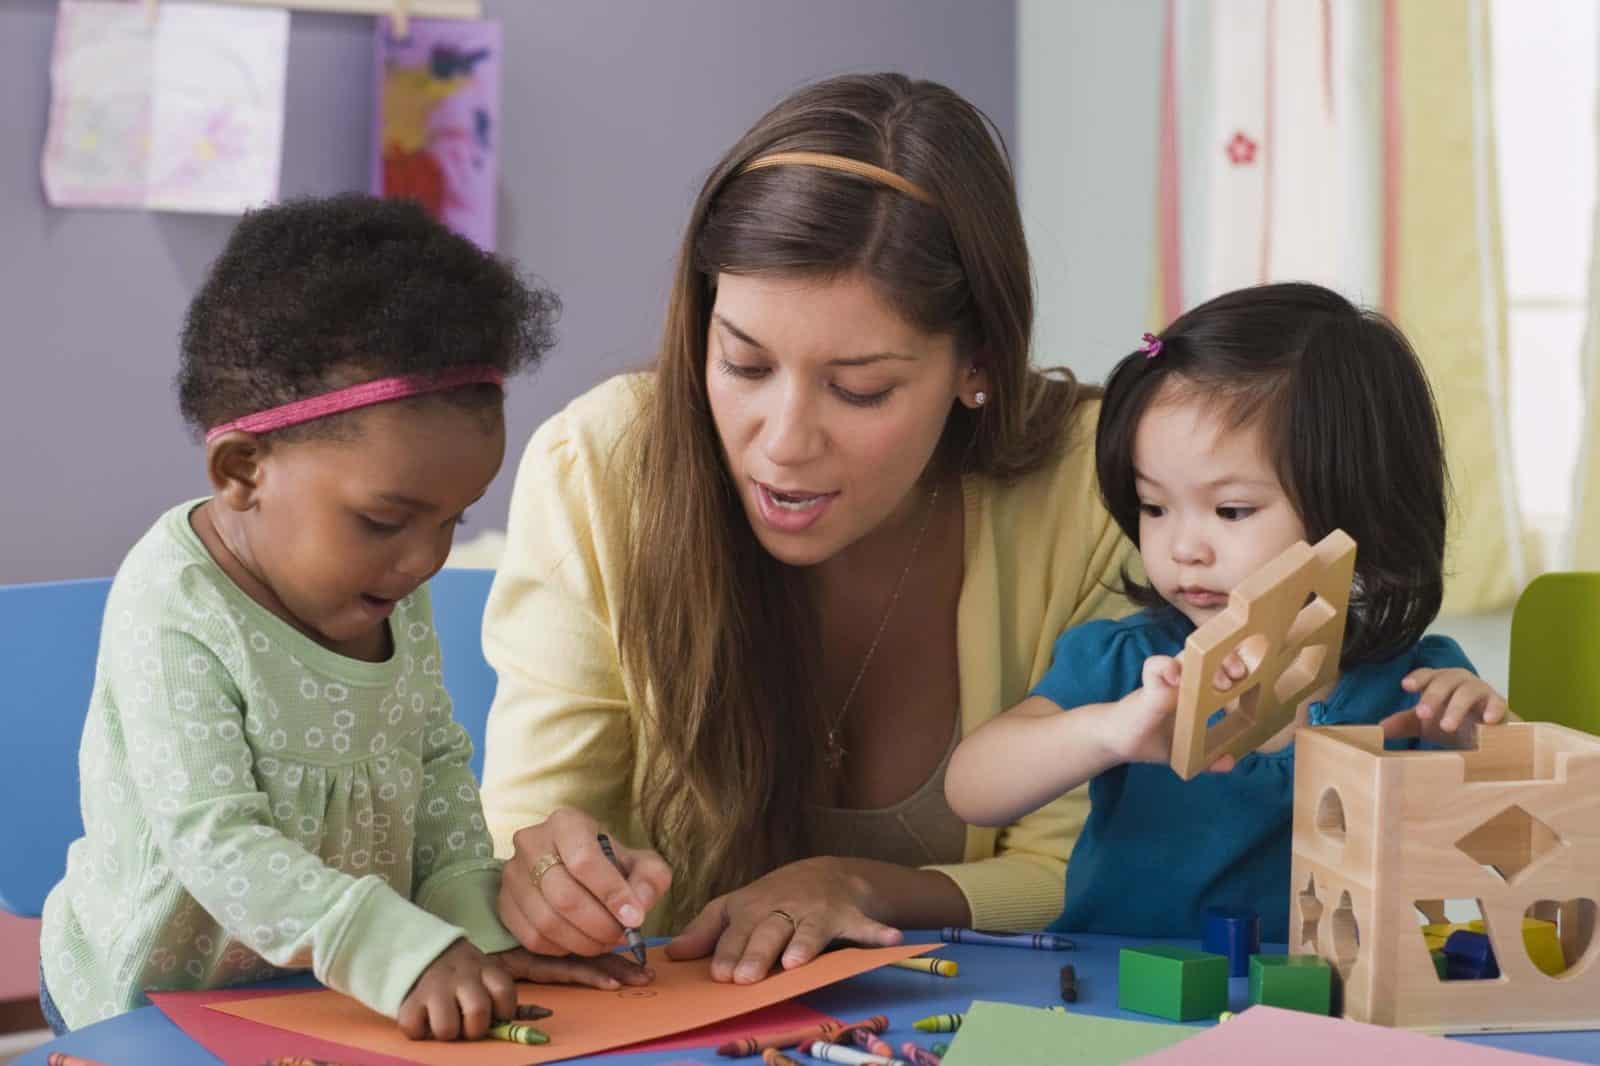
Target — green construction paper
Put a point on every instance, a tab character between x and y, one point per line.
1030	1036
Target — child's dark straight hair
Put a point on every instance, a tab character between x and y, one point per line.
1350	425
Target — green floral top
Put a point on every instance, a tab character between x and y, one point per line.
253	802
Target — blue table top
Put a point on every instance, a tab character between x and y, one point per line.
1014	975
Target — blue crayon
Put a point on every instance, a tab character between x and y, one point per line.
1036	941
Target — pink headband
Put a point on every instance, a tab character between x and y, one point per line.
355	396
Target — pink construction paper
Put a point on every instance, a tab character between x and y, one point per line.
238	1042
1263	1036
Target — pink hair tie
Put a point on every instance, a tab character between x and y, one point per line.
1152	346
356	396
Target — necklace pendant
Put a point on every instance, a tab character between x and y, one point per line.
833	752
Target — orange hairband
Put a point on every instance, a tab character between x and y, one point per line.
844	165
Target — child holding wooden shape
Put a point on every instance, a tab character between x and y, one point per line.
1264	417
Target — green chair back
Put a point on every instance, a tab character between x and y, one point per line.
1555	651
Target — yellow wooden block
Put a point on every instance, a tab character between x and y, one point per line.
1538	937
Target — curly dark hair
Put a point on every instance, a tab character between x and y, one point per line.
1350	420
314	294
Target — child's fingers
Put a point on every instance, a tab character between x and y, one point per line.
1436	694
444	1017
413	1018
1462	703
502	991
1416	679
602	971
1162	670
1496	710
476	1008
1224	764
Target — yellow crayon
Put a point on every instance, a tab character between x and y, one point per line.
938	1023
517	1033
942	967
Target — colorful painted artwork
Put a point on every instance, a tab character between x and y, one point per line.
179	110
439	121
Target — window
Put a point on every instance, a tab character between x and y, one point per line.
1544	113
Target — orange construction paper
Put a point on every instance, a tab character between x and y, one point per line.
586	1020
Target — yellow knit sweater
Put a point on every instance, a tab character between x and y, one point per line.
1041	555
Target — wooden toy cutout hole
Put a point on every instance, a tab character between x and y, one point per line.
1239	712
1438	918
1345	933
1574	922
1510	843
1330	816
1300	673
1317	612
1310	913
1253	652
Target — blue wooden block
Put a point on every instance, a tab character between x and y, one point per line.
1235	934
1469	957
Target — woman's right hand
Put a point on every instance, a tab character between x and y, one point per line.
560	895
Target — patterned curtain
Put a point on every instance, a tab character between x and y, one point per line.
1351	144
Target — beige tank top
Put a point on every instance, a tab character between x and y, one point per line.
920	830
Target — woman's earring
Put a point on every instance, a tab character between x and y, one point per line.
980	399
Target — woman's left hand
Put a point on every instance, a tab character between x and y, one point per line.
792	912
1453	703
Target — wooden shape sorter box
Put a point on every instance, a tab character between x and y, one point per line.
1381	838
1286	621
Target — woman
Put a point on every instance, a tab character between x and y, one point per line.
751	600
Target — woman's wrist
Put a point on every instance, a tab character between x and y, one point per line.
901	896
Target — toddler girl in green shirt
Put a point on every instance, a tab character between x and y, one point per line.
270	775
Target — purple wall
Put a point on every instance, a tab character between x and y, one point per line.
614	110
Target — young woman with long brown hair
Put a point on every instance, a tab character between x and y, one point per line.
752	599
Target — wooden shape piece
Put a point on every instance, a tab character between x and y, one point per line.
1287	622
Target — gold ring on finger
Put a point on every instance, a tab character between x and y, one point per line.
543	865
786	916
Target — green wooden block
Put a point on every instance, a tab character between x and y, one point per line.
1174	983
1296	982
1441	965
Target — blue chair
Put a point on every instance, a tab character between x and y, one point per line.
49	636
458	599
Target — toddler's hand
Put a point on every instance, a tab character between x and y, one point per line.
1453	702
459	995
1230	671
1149	722
597	971
1146	724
